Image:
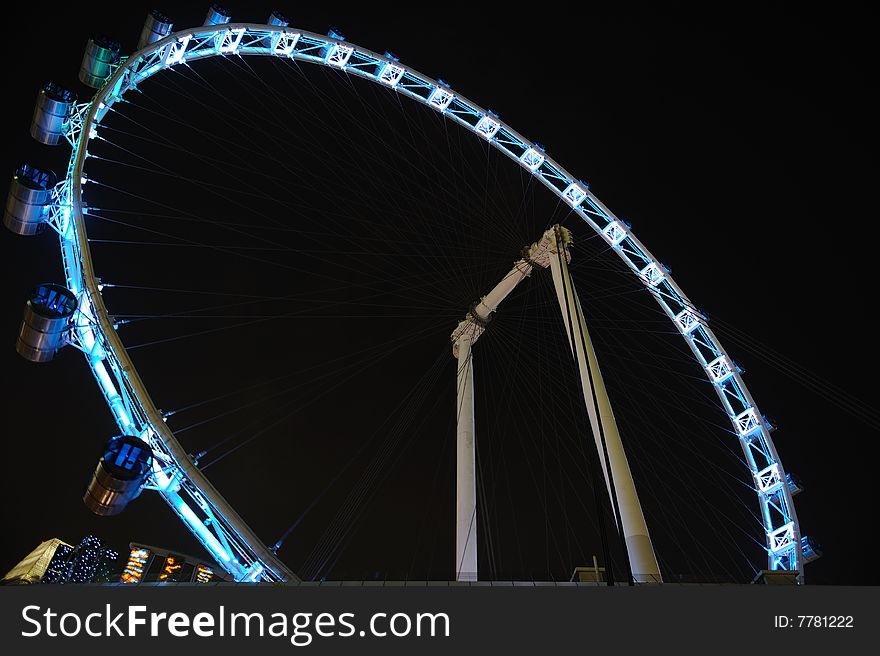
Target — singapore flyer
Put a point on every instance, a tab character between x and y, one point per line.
391	297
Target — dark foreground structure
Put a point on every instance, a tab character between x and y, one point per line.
92	562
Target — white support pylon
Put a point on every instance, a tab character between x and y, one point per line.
463	338
635	531
465	467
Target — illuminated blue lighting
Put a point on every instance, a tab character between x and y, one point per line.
614	233
147	72
162	481
338	55
86	334
286	43
687	321
574	194
65	221
747	421
440	98
782	538
174	53
487	127
390	74
257	569
652	274
229	41
263	40
112	395
532	159
768	479
206	535
104	378
719	369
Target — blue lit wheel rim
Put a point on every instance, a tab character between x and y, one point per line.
199	505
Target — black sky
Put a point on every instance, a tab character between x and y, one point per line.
737	144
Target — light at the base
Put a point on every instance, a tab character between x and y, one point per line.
134	568
171	568
204	574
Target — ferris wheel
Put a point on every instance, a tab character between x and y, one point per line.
148	456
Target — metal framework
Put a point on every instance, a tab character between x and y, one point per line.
198	504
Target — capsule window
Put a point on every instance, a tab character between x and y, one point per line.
33	178
58	93
108	43
53	301
127	457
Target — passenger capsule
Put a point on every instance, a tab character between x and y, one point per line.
55	105
810	549
277	18
217	15
156	27
119	475
47	319
101	54
795	486
30	200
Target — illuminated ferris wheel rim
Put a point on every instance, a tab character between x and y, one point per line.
225	535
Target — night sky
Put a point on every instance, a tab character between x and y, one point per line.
737	146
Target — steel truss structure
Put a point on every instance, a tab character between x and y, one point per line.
175	476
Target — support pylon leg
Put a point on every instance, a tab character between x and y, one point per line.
635	531
466	479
